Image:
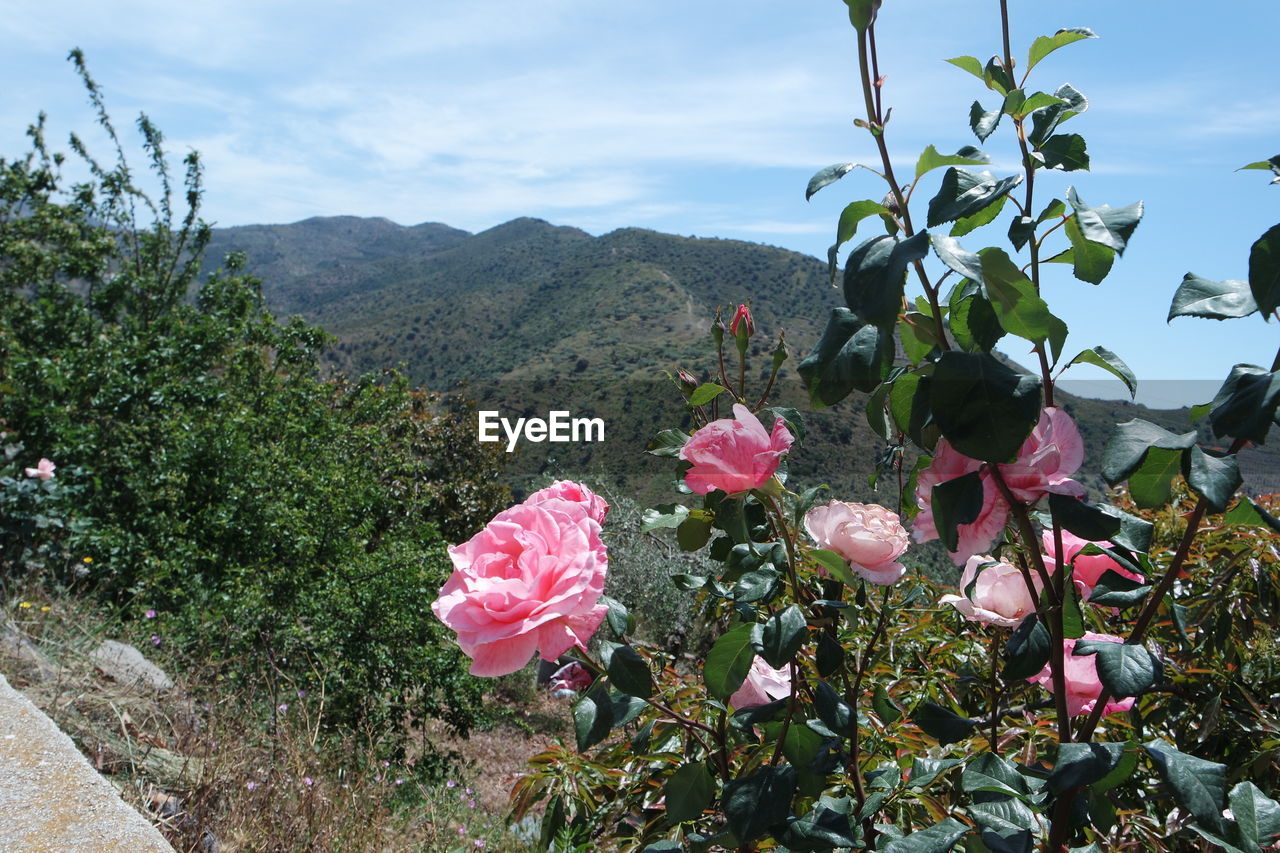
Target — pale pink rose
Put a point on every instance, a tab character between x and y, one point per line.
43	470
869	536
569	680
1047	459
735	454
596	506
763	685
1080	672
974	538
999	594
1089	568
531	580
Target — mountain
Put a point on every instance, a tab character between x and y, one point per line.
534	317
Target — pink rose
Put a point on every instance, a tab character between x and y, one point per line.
531	580
763	685
1089	568
948	464
569	679
596	506
43	470
869	536
735	454
993	593
742	315
1080	672
1047	459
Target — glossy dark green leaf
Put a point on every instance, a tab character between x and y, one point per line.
1213	300
659	847
836	565
851	355
666	515
1245	406
884	707
925	770
617	616
1257	815
875	275
985	409
1082	764
1052	210
850	217
1020	309
1116	590
988	773
956	502
834	712
909	404
939	838
754	803
930	159
964	193
1100	356
592	716
1125	670
1083	519
1214	478
793	419
689	792
1072	616
1104	224
974	322
1037	101
728	662
630	673
942	725
1027	651
1129	444
1046	121
1045	45
1090	261
1248	512
826	177
877	411
1021	230
995	76
1066	151
667	443
956	257
782	636
1264	271
705	393
693	533
988	214
1005	825
1135	533
825	827
756	585
1199	786
1151	485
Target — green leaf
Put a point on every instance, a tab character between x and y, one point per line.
1264	271
1100	356
996	78
689	793
909	405
1021	310
827	176
1213	300
629	673
1121	772
1116	590
836	565
1072	618
620	621
1090	261
693	533
756	585
1005	825
782	636
930	159
705	393
1021	230
1124	669
939	838
1027	651
1082	764
1199	786
989	773
728	662
1084	520
666	515
1245	406
926	770
1129	445
956	502
956	258
877	411
853	214
850	355
1067	152
988	214
884	707
626	708
1045	45
834	712
1214	478
1046	121
1038	101
974	322
942	725
829	657
754	803
964	193
1257	815
825	827
916	332
592	716
1272	165
1109	226
1135	533
1052	210
1151	485
968	63
1247	511
667	443
985	409
875	276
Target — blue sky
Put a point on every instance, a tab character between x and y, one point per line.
702	118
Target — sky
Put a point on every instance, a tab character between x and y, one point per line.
696	117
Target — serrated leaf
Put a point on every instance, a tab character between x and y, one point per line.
1214	478
754	803
1100	356
1021	230
974	322
988	214
1021	310
705	393
728	662
1046	121
1089	522
1090	261
1257	815
875	276
826	177
1264	271
850	355
1131	441
854	213
630	673
689	793
1245	406
1065	151
930	159
1151	485
1082	764
926	770
1104	224
968	63
1124	669
667	443
1045	45
617	617
782	636
666	515
939	838
989	773
592	716
1199	786
956	258
1213	300
964	193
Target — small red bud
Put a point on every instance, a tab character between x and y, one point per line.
742	314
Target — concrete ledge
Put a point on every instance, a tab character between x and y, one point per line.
51	798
